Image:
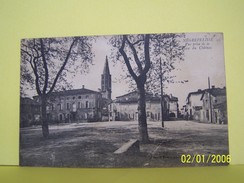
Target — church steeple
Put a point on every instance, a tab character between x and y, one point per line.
106	67
106	81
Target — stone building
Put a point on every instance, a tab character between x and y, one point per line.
74	105
208	105
81	104
29	112
125	107
173	107
194	104
214	108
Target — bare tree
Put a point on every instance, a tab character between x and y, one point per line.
141	55
46	64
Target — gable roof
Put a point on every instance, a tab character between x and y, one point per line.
74	92
198	92
132	97
71	92
215	92
175	99
127	94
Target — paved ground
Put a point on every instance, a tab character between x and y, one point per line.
93	144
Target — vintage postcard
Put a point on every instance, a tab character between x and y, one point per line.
145	100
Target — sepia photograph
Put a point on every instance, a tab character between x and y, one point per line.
124	101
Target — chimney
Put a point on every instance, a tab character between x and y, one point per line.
83	86
213	86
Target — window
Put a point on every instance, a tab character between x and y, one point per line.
73	98
86	115
91	104
207	114
87	104
49	116
52	107
60	117
74	107
67	106
87	96
79	106
79	97
60	107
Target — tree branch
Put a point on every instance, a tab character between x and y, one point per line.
63	66
138	63
36	77
34	68
127	62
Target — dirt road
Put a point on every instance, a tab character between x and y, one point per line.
93	144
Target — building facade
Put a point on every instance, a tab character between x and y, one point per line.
194	105
29	112
214	108
82	104
74	105
208	105
125	107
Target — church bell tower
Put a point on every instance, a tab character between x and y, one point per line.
106	87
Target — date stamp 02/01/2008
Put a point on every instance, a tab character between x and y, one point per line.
202	159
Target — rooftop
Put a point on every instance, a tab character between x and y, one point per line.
74	92
213	91
132	97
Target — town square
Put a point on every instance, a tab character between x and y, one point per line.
124	101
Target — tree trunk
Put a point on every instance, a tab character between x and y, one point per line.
45	129
142	117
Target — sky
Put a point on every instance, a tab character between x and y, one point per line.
204	57
205	60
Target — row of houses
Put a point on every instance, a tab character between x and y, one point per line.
84	105
88	105
208	105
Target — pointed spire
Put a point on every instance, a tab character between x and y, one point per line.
106	67
106	81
